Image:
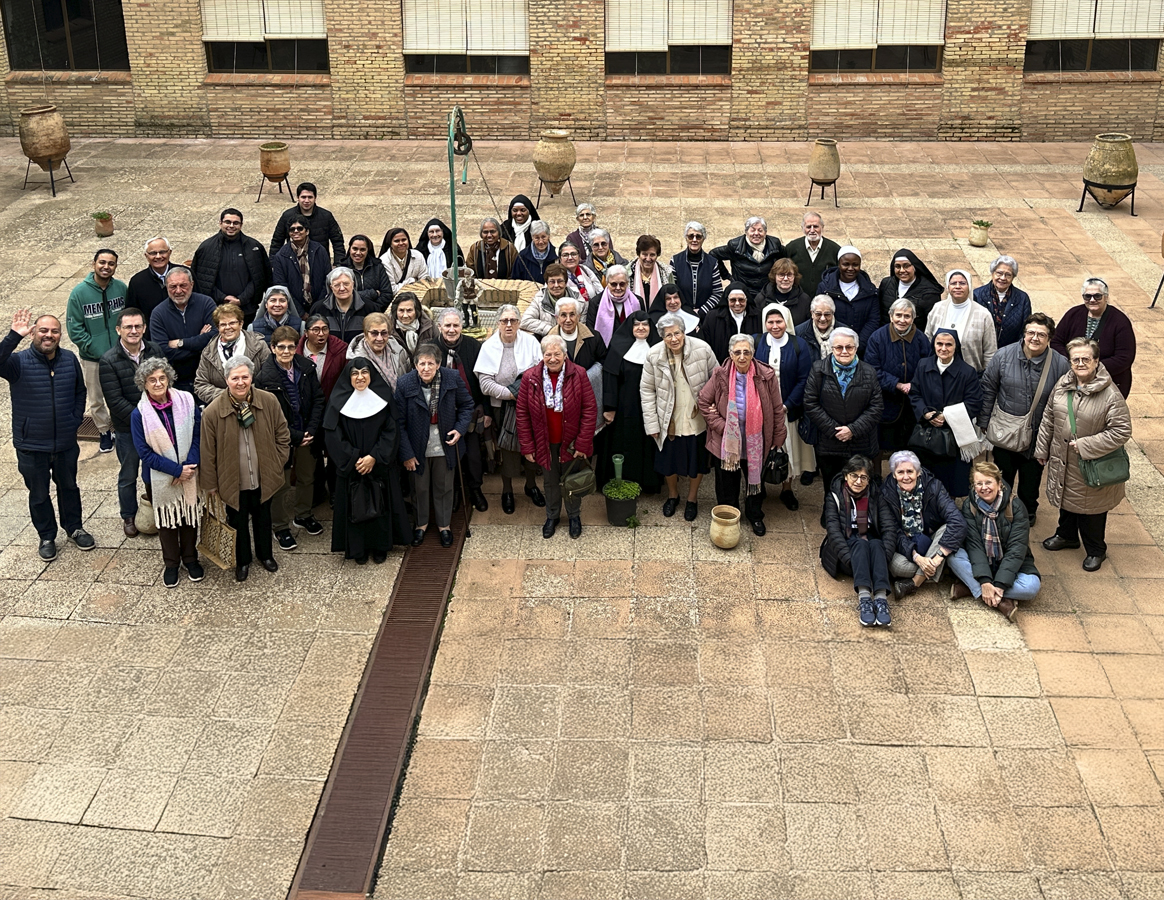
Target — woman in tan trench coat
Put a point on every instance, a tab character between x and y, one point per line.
1102	424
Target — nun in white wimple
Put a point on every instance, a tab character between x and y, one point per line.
969	320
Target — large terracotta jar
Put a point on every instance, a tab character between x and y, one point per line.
824	165
43	135
1111	168
274	160
554	159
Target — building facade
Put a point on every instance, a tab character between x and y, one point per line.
603	69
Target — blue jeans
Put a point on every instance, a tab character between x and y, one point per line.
127	475
38	468
1025	587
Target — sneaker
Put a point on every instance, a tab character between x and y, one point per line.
286	540
195	571
882	610
865	610
309	524
106	445
48	550
170	576
83	539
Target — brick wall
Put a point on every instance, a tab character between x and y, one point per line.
496	106
1066	110
168	60
769	69
672	107
567	66
889	108
365	44
270	107
93	104
6	116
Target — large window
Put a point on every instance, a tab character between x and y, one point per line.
265	35
1094	35
877	35
470	37
679	37
78	35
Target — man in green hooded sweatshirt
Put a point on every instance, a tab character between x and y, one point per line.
94	308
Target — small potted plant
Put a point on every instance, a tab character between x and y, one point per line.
622	497
102	223
979	234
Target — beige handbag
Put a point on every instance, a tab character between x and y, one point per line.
1011	432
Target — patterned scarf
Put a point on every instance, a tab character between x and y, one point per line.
998	306
242	410
577	281
911	509
601	265
553	392
174	504
858	517
990	534
434	398
305	271
844	373
730	447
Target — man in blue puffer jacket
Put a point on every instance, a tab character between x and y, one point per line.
48	402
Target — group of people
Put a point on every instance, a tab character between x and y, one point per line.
275	379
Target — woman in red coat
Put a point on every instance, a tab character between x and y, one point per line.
556	417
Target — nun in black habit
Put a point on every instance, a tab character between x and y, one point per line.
360	432
622	404
434	250
669	300
515	229
909	278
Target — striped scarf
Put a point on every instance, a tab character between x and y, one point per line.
990	536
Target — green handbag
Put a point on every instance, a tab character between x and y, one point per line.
1114	468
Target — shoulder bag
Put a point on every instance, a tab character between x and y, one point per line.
577	479
365	499
1114	468
1011	432
933	439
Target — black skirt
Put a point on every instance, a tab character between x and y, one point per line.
686	456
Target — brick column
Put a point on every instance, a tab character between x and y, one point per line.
168	62
982	70
770	69
567	68
366	49
6	118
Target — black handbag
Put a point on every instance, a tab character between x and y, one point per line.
807	430
934	440
776	467
365	499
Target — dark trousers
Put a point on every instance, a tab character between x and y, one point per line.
472	463
870	568
253	511
829	468
37	469
179	545
127	474
727	493
1026	470
552	481
1088	529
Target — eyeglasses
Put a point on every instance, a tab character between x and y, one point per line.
1081	360
296	229
853	476
1036	335
285	348
982	485
383	333
741	353
235	222
620	284
319	329
695	237
157	252
822	315
507	321
134	327
1093	296
844	348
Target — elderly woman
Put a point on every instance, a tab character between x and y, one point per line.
410	324
501	364
433	412
583	346
372	284
210	379
909	279
819	327
669	300
459	352
165	429
995	563
376	345
929	527
1008	306
404	264
1086	418
585	215
436	246
895	351
245	444
362	437
750	255
792	360
647	275
492	256
517	228
1097	320
622	404
843	401
556	418
603	256
581	279
541	315
342	308
783	287
674	373
739	392
740	315
615	306
860	537
858	304
274	311
970	320
537	255
697	272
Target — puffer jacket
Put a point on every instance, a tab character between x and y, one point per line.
579	415
373	285
272	379
117	385
938	509
210	380
713	403
862	313
1014	316
48	396
538	320
657	387
737	254
1103	424
860	408
834	549
413	417
208	258
1014	530
1009	384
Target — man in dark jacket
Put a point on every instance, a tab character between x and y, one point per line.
814	254
118	365
231	267
182	326
750	255
324	229
460	352
292	379
287	267
147	288
48	402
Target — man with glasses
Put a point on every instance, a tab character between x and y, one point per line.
492	256
231	267
814	253
302	266
147	288
1010	382
697	273
183	325
117	367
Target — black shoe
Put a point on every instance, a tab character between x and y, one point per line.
690	511
1092	563
170	576
575	527
48	550
535	495
508	505
549	528
669	506
456	500
904	588
241	573
418	537
106	445
447	538
83	539
758	528
286	540
309	524
361	560
1055	542
379	558
789	500
195	571
1034	517
806	478
479	502
270	565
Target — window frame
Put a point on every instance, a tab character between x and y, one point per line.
98	23
668	65
834	70
1091	41
411	68
212	69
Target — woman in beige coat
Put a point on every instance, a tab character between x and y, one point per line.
1102	425
210	379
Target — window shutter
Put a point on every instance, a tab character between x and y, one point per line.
434	26
294	19
1052	19
635	25
907	22
1129	19
844	24
232	20
498	26
699	22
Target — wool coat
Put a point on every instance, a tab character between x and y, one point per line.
414	417
1116	337
860	408
713	403
579	415
219	468
210	379
657	386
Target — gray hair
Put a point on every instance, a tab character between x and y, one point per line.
599	232
670	320
616	270
812	215
902	303
844	332
585	207
179	270
694	226
1005	261
149	366
487	220
238	361
276	289
741	338
902	456
755	220
550	340
565	301
146	246
508	307
445	313
1094	280
821	300
337	272
539	227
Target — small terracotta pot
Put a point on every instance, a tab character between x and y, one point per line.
979	236
725	527
103	227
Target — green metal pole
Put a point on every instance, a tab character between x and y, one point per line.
455	117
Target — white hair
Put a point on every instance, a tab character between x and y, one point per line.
550	340
337	272
565	301
539	227
146	246
670	320
599	232
755	220
823	300
238	361
508	307
902	456
812	215
445	313
1094	280
741	338
1005	261
585	207
902	303
616	270
694	226
844	332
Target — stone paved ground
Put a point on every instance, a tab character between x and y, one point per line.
636	714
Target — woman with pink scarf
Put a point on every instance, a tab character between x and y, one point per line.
647	275
617	304
745	420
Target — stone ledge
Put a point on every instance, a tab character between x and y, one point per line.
668	81
481	81
875	78
1090	77
264	79
69	77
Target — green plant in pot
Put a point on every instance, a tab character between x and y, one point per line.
102	222
622	497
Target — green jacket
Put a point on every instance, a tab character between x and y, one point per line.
91	316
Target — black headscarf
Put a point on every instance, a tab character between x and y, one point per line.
388	235
343	390
624	338
658	307
921	270
422	242
528	204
